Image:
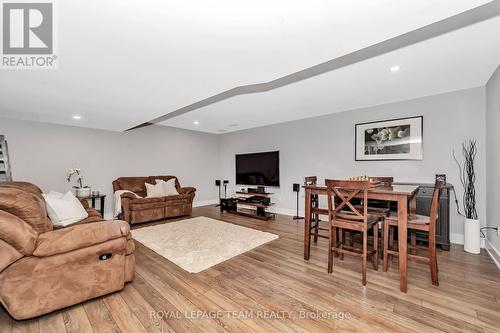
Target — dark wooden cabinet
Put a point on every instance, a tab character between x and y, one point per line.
424	198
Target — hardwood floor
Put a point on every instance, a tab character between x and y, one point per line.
275	277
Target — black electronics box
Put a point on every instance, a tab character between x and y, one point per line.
228	205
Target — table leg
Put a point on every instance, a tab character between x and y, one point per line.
403	241
102	206
413	205
307	224
413	235
93	202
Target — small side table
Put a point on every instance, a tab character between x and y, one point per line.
93	198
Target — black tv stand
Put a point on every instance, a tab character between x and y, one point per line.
258	208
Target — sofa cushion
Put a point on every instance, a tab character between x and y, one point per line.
184	198
17	233
133	184
79	236
143	204
25	186
28	206
137	201
151	214
9	255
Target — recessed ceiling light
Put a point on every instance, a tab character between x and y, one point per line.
196	122
395	68
77	117
233	125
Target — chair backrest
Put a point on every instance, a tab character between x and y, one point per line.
387	181
311	180
438	185
347	193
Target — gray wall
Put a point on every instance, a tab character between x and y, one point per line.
493	155
43	153
324	146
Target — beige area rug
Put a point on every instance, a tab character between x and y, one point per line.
201	242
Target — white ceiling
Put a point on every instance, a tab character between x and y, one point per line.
463	59
124	63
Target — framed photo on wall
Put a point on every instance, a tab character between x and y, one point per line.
396	139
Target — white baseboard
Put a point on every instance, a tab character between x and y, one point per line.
205	203
457	238
285	211
493	252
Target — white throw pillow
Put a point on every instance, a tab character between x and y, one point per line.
64	209
154	191
50	211
54	194
168	186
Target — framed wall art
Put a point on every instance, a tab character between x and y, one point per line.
396	139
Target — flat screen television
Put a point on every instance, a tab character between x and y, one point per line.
259	169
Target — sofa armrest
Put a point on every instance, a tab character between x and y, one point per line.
186	190
128	195
126	199
84	202
93	212
17	233
79	236
90	210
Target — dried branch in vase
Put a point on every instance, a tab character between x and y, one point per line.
468	177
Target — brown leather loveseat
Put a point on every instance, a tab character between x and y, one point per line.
43	269
137	210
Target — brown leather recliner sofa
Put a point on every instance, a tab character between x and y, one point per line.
43	269
138	210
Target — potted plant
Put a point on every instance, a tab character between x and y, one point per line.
468	178
81	191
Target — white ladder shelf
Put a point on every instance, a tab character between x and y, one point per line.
5	171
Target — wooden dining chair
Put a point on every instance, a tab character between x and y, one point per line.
376	207
315	211
416	223
379	207
344	216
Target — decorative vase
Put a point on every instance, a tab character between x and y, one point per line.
83	192
472	241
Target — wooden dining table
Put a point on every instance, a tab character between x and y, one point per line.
404	195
